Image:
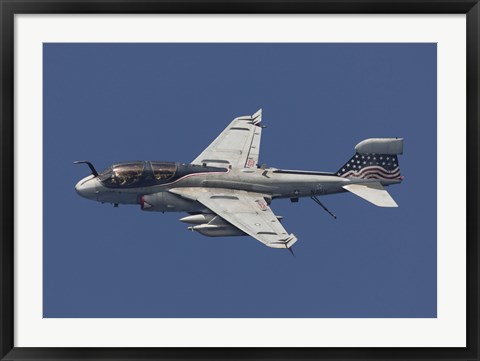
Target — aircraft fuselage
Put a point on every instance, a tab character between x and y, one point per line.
271	182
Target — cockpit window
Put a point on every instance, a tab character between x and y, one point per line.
122	175
106	176
163	171
137	174
127	174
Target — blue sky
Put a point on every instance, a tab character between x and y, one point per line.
115	102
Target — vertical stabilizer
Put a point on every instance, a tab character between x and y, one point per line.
375	158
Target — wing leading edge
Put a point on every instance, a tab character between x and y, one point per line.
247	211
237	146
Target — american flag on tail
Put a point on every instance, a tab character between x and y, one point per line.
371	166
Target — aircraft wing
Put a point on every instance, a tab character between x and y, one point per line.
237	146
247	211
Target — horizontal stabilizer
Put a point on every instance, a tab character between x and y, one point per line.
372	192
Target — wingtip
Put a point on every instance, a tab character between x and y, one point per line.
257	117
290	241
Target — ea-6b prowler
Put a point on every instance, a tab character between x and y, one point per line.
227	193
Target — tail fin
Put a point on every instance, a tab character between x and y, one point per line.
375	158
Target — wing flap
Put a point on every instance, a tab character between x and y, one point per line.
373	193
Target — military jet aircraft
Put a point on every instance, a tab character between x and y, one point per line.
227	193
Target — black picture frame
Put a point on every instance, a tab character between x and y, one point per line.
9	8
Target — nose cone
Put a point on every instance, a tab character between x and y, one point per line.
87	187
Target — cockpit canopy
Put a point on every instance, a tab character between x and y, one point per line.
137	174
